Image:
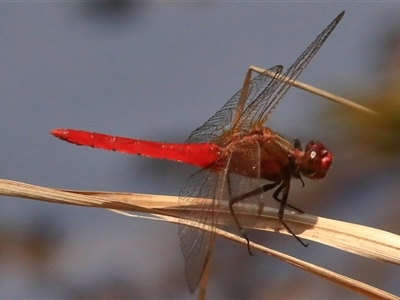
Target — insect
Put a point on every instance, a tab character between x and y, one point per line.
237	155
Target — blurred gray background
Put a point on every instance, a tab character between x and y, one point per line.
157	71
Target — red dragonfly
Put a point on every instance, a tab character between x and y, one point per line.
240	158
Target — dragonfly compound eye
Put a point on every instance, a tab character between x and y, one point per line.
316	161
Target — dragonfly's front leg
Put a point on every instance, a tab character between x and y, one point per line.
295	169
285	186
297	144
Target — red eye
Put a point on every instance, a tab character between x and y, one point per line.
316	161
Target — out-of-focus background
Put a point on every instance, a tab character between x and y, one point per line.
158	71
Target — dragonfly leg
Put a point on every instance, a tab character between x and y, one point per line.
297	144
244	235
255	192
252	193
264	189
290	205
285	186
293	167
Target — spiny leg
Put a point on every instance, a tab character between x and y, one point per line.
261	190
291	206
237	222
283	203
239	226
295	169
285	186
252	193
297	144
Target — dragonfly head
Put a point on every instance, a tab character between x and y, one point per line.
316	161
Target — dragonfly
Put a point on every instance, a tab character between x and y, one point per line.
240	159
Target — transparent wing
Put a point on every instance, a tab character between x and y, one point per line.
245	190
208	188
214	128
260	109
238	177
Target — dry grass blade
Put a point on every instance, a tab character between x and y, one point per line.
319	92
361	240
349	283
29	191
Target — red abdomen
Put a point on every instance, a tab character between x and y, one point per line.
199	155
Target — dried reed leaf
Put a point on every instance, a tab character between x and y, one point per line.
318	92
361	240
